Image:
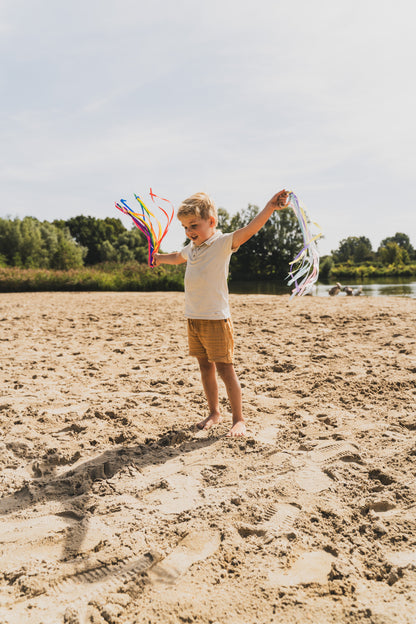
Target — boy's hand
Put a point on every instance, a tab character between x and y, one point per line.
279	200
167	258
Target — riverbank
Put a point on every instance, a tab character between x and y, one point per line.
114	509
368	271
138	277
105	277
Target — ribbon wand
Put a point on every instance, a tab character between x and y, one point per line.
304	268
148	223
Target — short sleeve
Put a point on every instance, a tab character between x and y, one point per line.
185	251
236	248
228	240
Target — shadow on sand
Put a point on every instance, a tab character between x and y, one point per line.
73	487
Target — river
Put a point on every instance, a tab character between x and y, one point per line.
390	288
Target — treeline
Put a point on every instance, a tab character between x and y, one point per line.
355	258
72	244
88	241
101	254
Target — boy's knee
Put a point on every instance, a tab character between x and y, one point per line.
224	369
204	363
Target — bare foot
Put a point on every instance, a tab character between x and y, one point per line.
210	421
237	430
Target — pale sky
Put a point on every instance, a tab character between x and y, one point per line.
101	99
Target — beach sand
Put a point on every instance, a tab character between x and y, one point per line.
114	509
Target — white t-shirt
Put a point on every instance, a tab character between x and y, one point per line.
206	289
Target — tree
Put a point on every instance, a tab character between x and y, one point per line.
91	233
68	254
31	243
392	253
131	245
62	251
107	240
267	255
355	249
223	220
400	239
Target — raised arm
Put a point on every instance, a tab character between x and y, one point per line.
277	202
171	258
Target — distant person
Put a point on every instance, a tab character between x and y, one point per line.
210	330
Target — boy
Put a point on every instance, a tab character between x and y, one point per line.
210	330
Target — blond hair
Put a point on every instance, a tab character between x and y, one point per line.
198	205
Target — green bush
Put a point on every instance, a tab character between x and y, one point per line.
31	243
371	271
131	277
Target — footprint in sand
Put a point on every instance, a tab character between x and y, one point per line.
218	475
282	463
194	547
311	567
176	493
73	592
329	452
104	577
311	479
279	520
267	435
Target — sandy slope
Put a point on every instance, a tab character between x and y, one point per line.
114	510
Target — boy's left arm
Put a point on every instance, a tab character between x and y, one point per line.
277	202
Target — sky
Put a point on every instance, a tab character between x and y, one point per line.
101	99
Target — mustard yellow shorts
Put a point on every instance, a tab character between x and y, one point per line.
212	339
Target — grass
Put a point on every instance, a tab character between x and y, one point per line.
371	271
133	276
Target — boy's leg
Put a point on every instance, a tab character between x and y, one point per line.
232	385
209	382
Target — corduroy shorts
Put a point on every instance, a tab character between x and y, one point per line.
212	339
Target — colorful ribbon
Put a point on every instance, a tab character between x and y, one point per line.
304	268
148	223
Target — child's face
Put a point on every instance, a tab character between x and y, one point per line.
198	230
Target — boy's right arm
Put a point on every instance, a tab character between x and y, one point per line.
171	258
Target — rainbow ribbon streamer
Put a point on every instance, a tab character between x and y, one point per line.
304	269
148	223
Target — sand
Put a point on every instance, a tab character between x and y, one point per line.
114	509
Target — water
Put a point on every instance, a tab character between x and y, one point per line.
376	289
390	288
